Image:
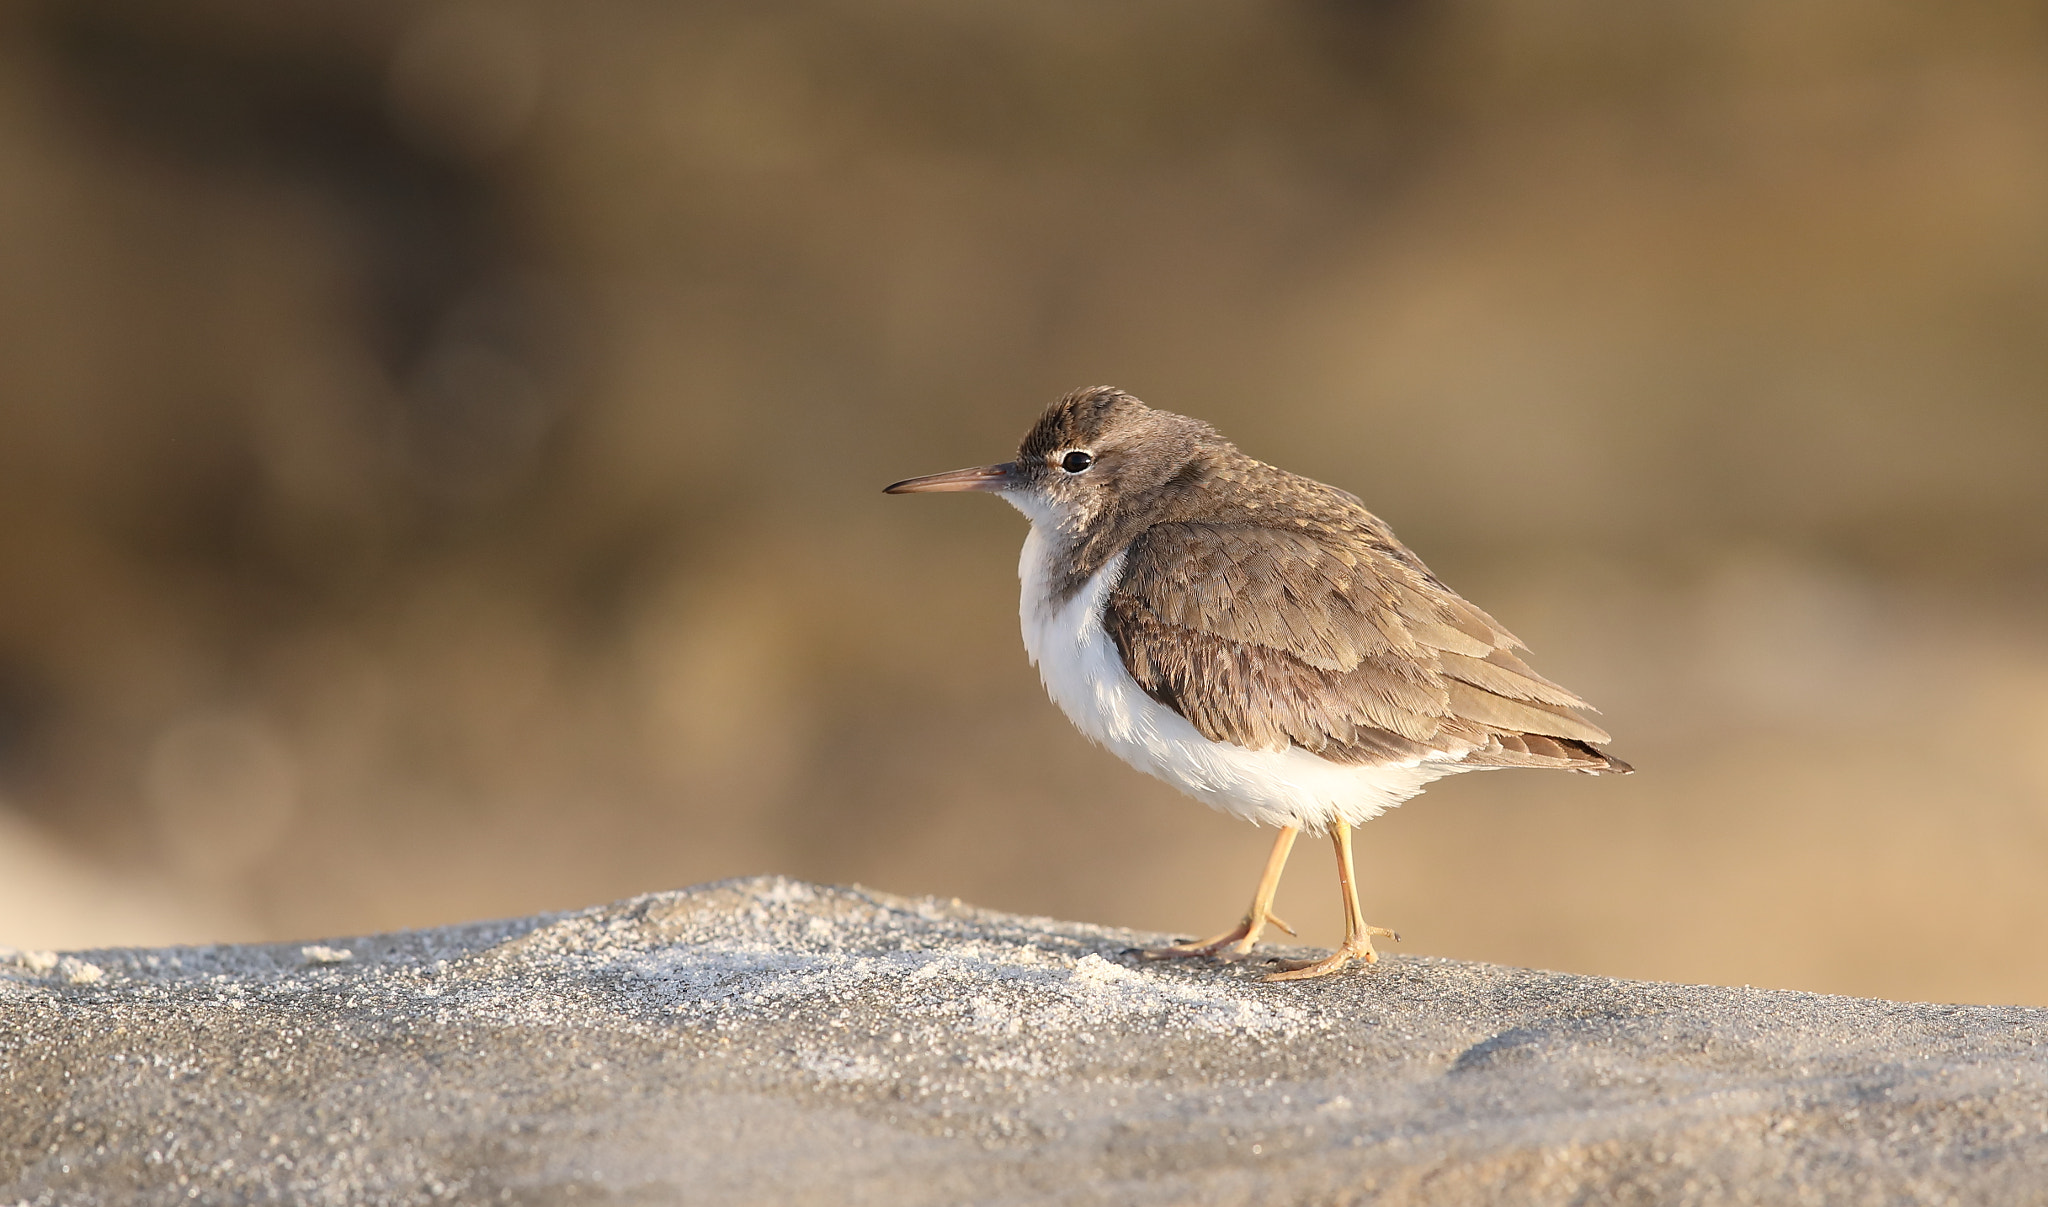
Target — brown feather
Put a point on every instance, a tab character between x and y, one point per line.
1515	716
1491	676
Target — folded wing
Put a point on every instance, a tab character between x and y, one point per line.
1338	641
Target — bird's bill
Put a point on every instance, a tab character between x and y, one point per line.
981	477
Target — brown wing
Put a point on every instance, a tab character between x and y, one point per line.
1341	643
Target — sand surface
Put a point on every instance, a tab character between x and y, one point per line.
770	1041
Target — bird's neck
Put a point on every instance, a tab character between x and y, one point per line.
1061	553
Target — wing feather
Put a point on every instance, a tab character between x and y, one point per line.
1516	716
1487	675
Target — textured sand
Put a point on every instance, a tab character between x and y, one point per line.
768	1041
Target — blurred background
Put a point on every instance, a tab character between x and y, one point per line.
441	449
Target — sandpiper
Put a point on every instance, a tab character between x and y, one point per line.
1257	639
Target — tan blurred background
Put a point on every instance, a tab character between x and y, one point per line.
440	451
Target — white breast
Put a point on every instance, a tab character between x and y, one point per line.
1086	677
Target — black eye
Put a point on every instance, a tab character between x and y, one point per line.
1076	461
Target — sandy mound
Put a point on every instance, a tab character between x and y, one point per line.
771	1041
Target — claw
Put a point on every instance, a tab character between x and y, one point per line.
1240	939
1337	961
1185	949
1302	970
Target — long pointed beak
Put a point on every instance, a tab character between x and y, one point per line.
981	477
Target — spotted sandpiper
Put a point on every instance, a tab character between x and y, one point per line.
1258	640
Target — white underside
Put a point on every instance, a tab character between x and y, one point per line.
1086	677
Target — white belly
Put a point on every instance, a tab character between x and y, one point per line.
1086	677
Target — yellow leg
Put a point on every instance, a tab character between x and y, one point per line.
1357	935
1241	939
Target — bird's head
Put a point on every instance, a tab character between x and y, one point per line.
1091	452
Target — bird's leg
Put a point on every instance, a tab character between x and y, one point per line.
1241	939
1357	935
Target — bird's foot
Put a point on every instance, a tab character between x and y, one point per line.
1358	947
1239	940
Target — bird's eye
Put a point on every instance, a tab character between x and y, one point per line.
1076	461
